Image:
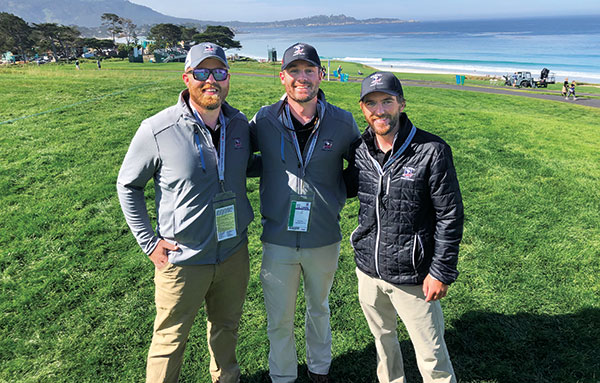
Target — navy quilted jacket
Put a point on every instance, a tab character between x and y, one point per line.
410	221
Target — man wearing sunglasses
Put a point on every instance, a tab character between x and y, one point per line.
303	141
196	152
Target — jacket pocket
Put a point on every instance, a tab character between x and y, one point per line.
418	253
352	237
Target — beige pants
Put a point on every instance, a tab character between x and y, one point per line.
424	321
180	292
280	276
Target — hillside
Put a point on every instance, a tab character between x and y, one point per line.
84	12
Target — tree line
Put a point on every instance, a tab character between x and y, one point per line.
27	40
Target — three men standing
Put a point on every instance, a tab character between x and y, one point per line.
303	141
410	225
197	152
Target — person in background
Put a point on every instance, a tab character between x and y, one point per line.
571	91
197	152
410	224
303	141
565	87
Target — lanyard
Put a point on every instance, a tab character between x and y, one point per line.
398	153
401	149
221	155
313	142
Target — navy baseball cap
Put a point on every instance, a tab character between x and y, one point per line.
385	82
300	51
203	51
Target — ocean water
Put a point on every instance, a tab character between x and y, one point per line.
569	46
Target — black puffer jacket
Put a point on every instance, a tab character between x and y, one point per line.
410	220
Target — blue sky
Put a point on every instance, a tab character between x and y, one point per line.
269	10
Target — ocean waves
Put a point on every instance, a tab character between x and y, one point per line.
473	47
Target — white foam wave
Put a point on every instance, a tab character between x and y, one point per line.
361	59
492	70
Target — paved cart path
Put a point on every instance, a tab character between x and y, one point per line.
586	99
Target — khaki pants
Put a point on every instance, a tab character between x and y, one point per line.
180	292
280	276
424	321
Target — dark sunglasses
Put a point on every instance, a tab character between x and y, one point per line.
202	74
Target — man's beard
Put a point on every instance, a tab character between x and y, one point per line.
210	102
393	122
306	98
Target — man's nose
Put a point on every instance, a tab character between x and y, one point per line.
301	75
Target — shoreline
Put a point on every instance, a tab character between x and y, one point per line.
490	73
559	77
407	69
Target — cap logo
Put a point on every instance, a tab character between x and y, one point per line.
298	50
376	79
209	48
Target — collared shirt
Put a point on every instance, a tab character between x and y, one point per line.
377	153
303	131
215	133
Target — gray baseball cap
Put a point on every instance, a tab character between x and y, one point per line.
203	51
385	82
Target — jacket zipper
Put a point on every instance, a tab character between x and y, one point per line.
199	147
379	187
387	190
381	170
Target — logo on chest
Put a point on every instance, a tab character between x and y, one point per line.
408	173
237	143
328	145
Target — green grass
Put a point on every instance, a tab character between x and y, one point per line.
76	292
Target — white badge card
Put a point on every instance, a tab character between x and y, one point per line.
225	219
300	209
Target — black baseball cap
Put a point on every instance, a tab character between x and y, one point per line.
203	51
300	51
385	82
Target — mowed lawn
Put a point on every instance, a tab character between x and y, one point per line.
76	292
